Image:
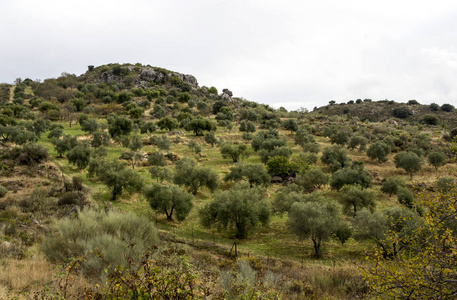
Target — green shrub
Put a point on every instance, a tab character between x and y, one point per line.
29	154
391	185
402	112
430	119
37	201
115	234
70	198
405	197
3	191
434	107
447	107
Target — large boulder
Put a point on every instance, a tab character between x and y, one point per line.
149	74
226	95
186	78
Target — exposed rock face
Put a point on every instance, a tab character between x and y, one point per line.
149	74
109	76
146	75
228	92
226	95
186	78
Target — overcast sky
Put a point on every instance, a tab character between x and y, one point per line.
284	53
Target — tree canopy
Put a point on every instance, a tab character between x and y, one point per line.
198	125
192	176
169	200
316	220
240	207
409	161
255	174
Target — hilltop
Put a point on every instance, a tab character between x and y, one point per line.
384	110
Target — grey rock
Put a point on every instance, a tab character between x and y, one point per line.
276	179
228	92
393	122
190	80
226	95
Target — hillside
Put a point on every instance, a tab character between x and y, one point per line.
232	198
384	110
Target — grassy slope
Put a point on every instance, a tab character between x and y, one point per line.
272	241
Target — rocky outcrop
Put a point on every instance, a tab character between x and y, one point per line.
227	95
149	74
186	78
146	75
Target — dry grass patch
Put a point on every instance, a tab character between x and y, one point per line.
20	278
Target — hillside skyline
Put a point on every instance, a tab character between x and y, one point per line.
290	54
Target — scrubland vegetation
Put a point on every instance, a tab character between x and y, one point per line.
131	181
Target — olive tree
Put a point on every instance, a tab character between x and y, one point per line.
391	185
350	175
312	179
168	123
358	141
79	155
316	220
64	144
169	200
198	125
99	139
210	138
192	176
341	137
233	151
336	158
119	125
437	159
89	125
247	126
119	178
240	207
162	142
353	198
378	151
160	174
255	174
409	161
148	127
290	124
389	229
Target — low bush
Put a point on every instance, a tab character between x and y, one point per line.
3	191
115	234
402	112
29	154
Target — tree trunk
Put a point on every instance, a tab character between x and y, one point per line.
169	215
317	245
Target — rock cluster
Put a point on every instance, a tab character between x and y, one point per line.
146	75
226	95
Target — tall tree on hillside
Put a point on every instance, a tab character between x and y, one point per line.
190	175
240	207
409	161
169	200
